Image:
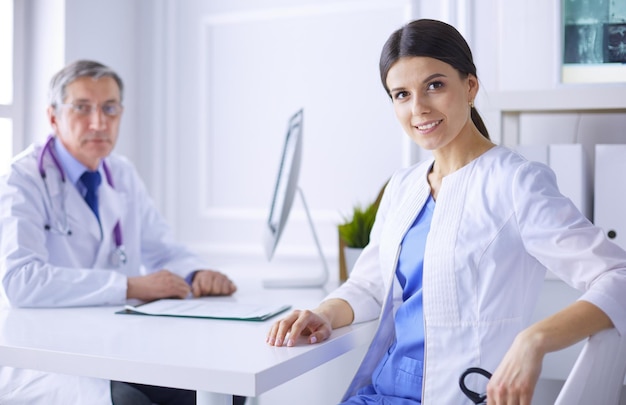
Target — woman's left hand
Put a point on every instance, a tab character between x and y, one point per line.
514	381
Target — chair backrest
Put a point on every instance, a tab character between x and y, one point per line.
598	374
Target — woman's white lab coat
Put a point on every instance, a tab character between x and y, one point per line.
48	268
498	224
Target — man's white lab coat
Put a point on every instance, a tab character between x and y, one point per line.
48	268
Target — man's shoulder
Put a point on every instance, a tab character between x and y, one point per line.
26	160
28	153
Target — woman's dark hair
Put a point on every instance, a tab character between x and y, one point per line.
433	39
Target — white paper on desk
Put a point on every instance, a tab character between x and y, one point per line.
206	308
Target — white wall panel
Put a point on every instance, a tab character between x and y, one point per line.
610	196
245	73
528	44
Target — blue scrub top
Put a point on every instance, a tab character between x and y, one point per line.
398	377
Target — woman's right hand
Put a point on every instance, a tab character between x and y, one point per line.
317	324
286	331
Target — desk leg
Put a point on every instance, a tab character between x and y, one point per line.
211	398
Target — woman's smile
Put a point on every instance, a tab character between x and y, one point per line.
426	127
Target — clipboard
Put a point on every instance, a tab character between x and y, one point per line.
207	309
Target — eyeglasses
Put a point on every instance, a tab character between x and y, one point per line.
111	109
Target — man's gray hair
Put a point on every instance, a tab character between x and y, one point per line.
75	70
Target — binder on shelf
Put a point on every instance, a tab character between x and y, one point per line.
610	191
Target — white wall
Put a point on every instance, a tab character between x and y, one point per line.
44	55
245	70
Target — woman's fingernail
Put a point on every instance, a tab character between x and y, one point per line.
313	339
290	342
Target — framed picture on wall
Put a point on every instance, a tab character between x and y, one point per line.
594	41
614	44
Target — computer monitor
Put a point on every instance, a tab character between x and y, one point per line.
282	200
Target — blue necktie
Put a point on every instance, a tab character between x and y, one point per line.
92	181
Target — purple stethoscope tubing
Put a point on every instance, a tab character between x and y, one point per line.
119	256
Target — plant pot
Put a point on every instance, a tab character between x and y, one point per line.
351	254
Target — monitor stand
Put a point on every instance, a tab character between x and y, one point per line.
303	282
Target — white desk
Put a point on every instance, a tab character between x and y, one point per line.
217	358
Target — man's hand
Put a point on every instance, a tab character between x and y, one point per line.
162	284
209	282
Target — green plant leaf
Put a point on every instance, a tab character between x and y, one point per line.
355	231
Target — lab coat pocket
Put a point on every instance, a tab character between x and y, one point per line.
409	378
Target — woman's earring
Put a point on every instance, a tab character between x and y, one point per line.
471	103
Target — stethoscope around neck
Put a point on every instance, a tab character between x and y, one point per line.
118	256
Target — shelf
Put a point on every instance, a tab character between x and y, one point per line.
579	99
595	98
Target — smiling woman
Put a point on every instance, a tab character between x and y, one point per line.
454	264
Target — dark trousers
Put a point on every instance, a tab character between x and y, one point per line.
140	394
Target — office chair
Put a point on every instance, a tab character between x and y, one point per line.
598	374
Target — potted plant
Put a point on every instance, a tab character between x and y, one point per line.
354	234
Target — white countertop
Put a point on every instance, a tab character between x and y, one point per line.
218	356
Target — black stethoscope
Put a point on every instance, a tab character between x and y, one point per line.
118	256
475	397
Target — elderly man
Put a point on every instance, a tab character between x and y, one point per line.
78	228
